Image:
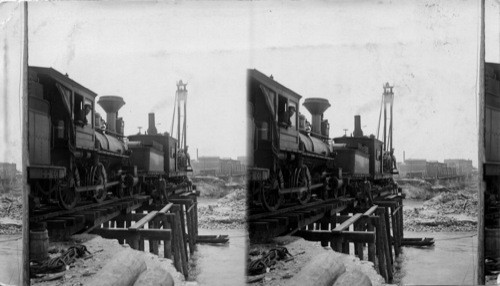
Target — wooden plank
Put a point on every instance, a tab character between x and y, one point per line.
347	223
370	211
352	236
166	208
144	220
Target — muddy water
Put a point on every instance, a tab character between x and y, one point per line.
10	259
214	264
451	261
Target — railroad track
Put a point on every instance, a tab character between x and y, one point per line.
63	223
266	225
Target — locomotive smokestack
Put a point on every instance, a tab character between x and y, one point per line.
357	126
316	106
152	126
111	104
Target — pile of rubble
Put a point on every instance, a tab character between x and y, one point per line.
227	213
420	221
11	213
449	210
455	203
92	266
214	187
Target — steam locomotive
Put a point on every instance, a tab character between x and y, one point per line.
293	159
76	156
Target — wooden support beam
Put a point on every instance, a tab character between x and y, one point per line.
144	220
371	245
322	235
370	211
385	245
345	225
166	208
150	234
382	268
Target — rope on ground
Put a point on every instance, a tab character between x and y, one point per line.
260	265
58	264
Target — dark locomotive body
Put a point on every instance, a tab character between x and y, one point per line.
295	160
161	166
77	156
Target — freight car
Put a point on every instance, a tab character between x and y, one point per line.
292	159
74	154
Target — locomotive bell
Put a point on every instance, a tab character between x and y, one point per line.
316	106
111	104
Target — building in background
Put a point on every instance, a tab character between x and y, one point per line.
221	167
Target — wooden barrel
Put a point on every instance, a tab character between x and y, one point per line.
39	245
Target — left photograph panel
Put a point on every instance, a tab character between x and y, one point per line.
135	170
11	167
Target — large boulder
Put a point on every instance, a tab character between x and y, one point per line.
156	276
353	278
322	270
122	270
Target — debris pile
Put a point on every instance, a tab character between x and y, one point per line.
86	268
302	252
227	213
418	220
452	208
214	187
455	203
11	213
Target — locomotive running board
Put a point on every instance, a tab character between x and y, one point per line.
301	189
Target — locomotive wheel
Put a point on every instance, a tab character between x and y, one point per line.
303	180
99	178
270	197
67	195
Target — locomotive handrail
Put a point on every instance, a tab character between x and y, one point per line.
109	132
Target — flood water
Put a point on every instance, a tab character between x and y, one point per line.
451	261
11	259
224	264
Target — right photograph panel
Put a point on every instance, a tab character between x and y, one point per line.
362	144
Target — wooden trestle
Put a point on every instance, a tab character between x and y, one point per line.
175	225
378	229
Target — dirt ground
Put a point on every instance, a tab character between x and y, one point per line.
102	251
303	251
446	208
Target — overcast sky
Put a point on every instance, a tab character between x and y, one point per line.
339	50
